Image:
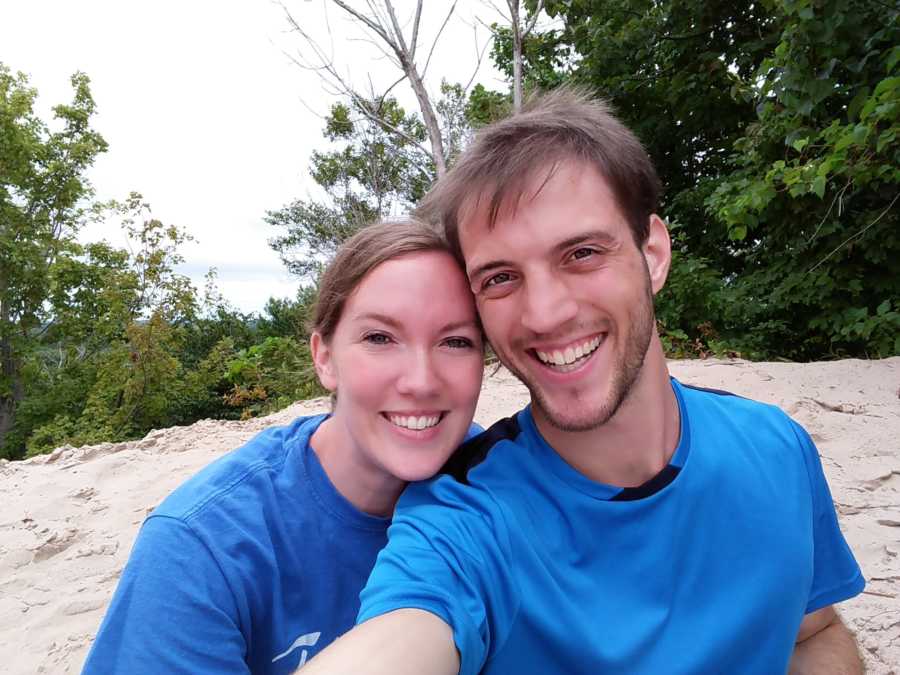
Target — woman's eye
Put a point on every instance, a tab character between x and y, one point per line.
377	339
458	343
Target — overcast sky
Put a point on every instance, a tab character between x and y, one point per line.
204	113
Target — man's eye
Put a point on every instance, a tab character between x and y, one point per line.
458	343
582	253
377	339
501	278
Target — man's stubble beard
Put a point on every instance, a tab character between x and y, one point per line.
642	320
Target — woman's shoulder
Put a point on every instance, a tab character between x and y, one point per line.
251	474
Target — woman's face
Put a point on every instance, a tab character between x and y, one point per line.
406	360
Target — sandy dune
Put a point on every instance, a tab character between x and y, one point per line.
69	518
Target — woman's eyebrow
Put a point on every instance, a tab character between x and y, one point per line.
376	316
465	323
394	323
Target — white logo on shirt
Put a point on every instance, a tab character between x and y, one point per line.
307	640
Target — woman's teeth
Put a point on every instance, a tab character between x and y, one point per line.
413	422
571	354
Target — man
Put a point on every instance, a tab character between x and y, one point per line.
623	522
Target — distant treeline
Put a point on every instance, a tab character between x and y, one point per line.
775	127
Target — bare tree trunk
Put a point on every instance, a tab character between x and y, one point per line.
388	29
431	122
519	33
516	30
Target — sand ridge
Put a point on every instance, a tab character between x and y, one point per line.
69	518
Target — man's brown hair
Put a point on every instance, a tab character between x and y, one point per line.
505	157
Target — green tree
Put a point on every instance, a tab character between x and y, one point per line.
372	172
773	126
43	192
811	204
668	69
140	373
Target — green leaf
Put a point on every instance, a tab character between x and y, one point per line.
868	108
800	143
738	233
892	59
857	103
888	84
887	136
818	186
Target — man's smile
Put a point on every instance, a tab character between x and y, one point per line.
564	359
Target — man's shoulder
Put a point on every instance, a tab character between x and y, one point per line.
470	482
248	469
722	400
717	414
477	448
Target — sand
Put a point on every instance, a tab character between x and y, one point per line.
68	519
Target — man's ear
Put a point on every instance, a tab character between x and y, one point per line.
657	252
324	364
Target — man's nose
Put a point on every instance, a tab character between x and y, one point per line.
549	303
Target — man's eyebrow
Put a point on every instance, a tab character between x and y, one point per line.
601	236
487	267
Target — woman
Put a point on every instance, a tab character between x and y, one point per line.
256	563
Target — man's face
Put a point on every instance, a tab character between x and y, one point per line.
565	295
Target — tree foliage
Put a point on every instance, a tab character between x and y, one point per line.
100	343
773	126
42	189
811	202
370	172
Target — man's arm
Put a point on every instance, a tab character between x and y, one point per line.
824	645
402	642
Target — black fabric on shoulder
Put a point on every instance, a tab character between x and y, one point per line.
721	392
473	452
651	487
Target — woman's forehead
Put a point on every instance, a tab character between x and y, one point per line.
416	286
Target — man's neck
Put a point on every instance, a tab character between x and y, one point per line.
638	441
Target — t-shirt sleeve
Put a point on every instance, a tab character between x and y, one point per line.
172	610
447	554
836	574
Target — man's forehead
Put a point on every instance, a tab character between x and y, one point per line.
480	210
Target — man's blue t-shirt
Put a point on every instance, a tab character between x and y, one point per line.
707	568
251	566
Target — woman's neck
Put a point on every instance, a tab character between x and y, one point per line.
359	480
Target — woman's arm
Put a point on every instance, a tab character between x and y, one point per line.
172	610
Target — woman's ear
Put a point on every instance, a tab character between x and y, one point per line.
657	252
324	364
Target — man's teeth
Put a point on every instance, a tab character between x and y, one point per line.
413	422
571	354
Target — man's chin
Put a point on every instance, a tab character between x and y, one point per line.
572	416
569	423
